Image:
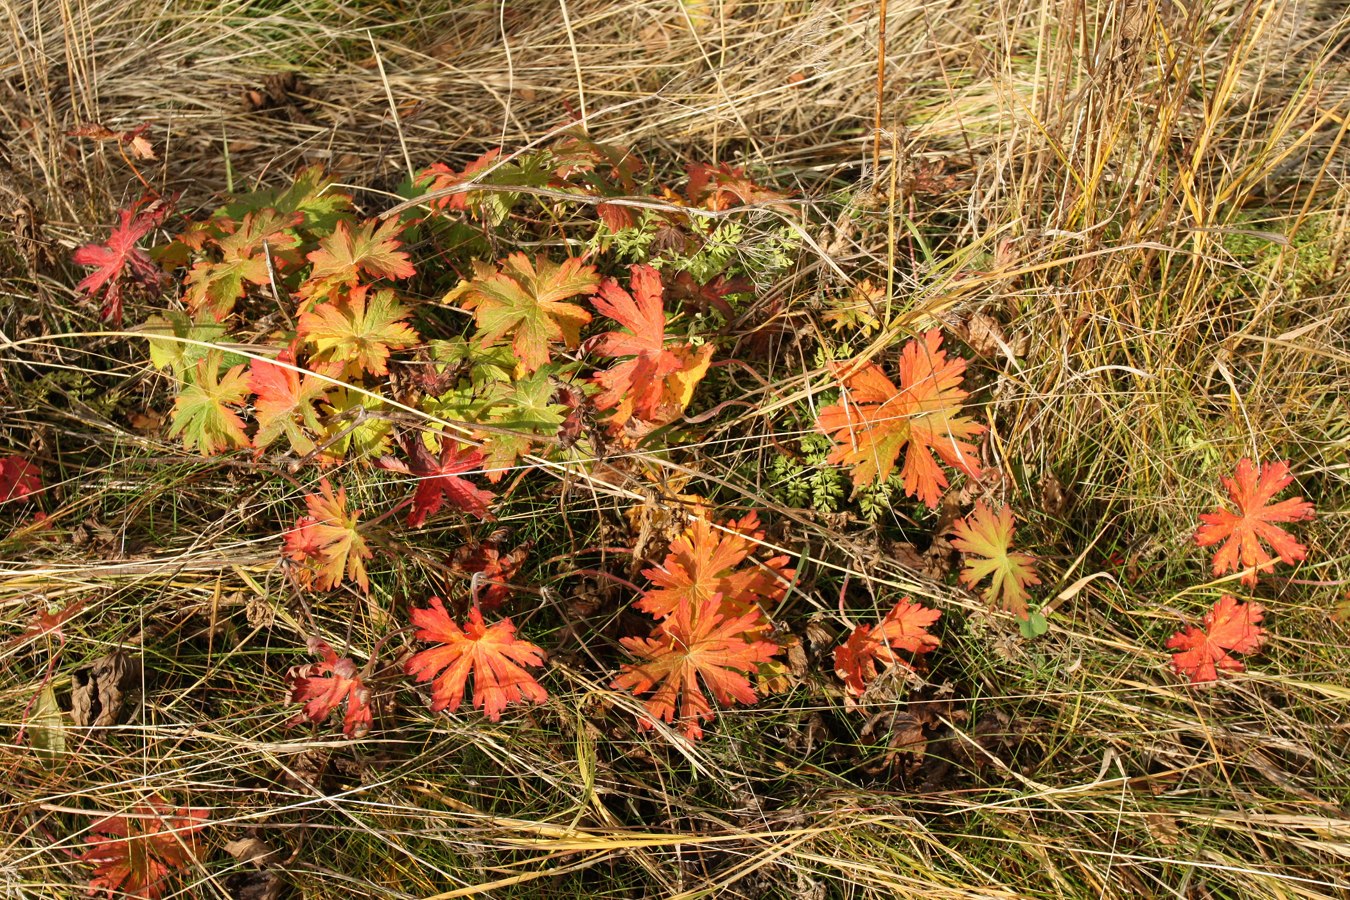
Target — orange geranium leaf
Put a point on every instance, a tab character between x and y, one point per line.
706	560
357	335
325	685
874	420
657	383
492	654
285	404
327	544
696	648
525	299
904	629
135	855
1244	531
985	537
1230	627
216	285
372	248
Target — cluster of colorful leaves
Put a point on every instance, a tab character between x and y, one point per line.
492	654
136	855
708	597
1230	626
325	685
985	537
874	420
903	630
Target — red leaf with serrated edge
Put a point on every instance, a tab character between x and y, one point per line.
118	261
327	544
372	249
1243	532
1230	627
696	648
658	382
442	176
724	186
985	537
285	404
705	561
874	420
439	479
492	654
324	686
18	479
51	623
905	628
136	855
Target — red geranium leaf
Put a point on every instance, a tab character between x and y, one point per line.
1243	532
327	543
118	261
439	479
492	654
135	855
324	686
19	478
905	628
1230	627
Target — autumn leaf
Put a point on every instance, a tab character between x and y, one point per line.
985	537
326	543
904	629
285	404
696	649
1244	531
707	561
201	414
492	654
442	176
357	336
1230	627
524	412
873	420
119	262
491	569
439	479
525	300
724	186
214	286
372	249
135	855
324	686
356	425
134	139
658	382
19	479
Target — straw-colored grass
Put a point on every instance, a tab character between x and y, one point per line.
1148	197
